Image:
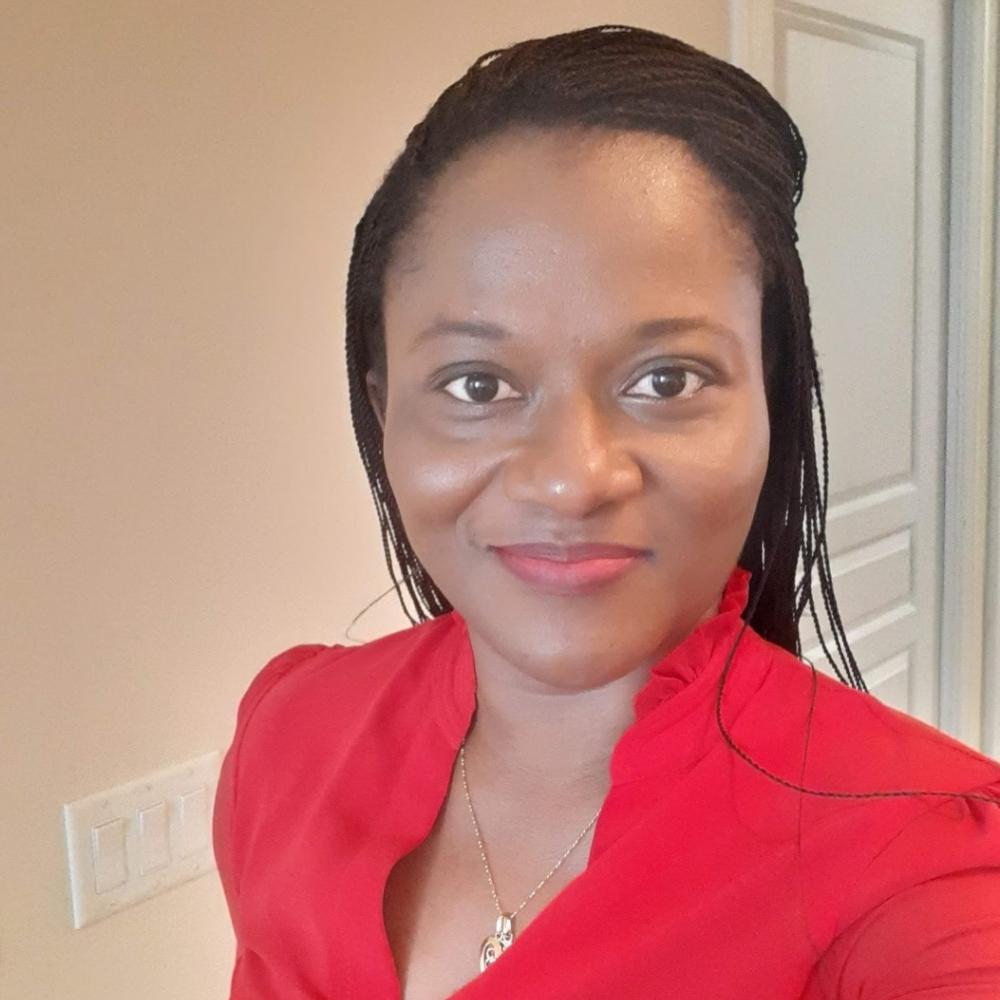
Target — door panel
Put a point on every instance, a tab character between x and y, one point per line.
865	82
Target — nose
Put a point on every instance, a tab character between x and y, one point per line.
571	460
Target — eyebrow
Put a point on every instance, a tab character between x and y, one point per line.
647	330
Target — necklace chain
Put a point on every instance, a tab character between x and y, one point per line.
482	850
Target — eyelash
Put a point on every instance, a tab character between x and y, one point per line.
703	380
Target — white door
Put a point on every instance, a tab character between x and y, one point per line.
866	82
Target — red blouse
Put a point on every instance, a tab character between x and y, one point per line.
706	880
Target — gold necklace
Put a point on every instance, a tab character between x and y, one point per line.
503	935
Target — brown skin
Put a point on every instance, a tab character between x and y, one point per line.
568	240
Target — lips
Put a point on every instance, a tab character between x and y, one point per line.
570	553
568	569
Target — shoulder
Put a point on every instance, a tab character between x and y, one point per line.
849	740
891	803
295	661
332	681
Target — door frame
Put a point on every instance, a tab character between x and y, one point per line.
989	38
969	677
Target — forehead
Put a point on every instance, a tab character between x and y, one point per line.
590	218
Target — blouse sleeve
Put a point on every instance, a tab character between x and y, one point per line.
939	939
225	833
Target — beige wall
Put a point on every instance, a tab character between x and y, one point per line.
183	493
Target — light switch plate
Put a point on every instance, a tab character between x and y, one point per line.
109	844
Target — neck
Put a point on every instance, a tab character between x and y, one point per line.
526	733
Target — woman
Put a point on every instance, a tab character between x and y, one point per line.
582	383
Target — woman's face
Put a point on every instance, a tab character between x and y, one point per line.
574	356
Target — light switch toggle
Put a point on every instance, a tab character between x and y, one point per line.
193	829
108	846
154	838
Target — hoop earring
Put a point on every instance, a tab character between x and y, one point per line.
347	631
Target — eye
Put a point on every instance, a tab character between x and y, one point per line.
671	383
479	387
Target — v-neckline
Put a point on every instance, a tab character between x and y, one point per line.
394	857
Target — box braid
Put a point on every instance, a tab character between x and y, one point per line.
616	77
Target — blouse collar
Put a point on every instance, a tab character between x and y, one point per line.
701	647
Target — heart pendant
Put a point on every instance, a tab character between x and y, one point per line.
497	942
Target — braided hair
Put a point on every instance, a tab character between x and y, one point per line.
618	77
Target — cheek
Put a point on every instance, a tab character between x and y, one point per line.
433	478
721	473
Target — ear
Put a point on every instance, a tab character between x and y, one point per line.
376	396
